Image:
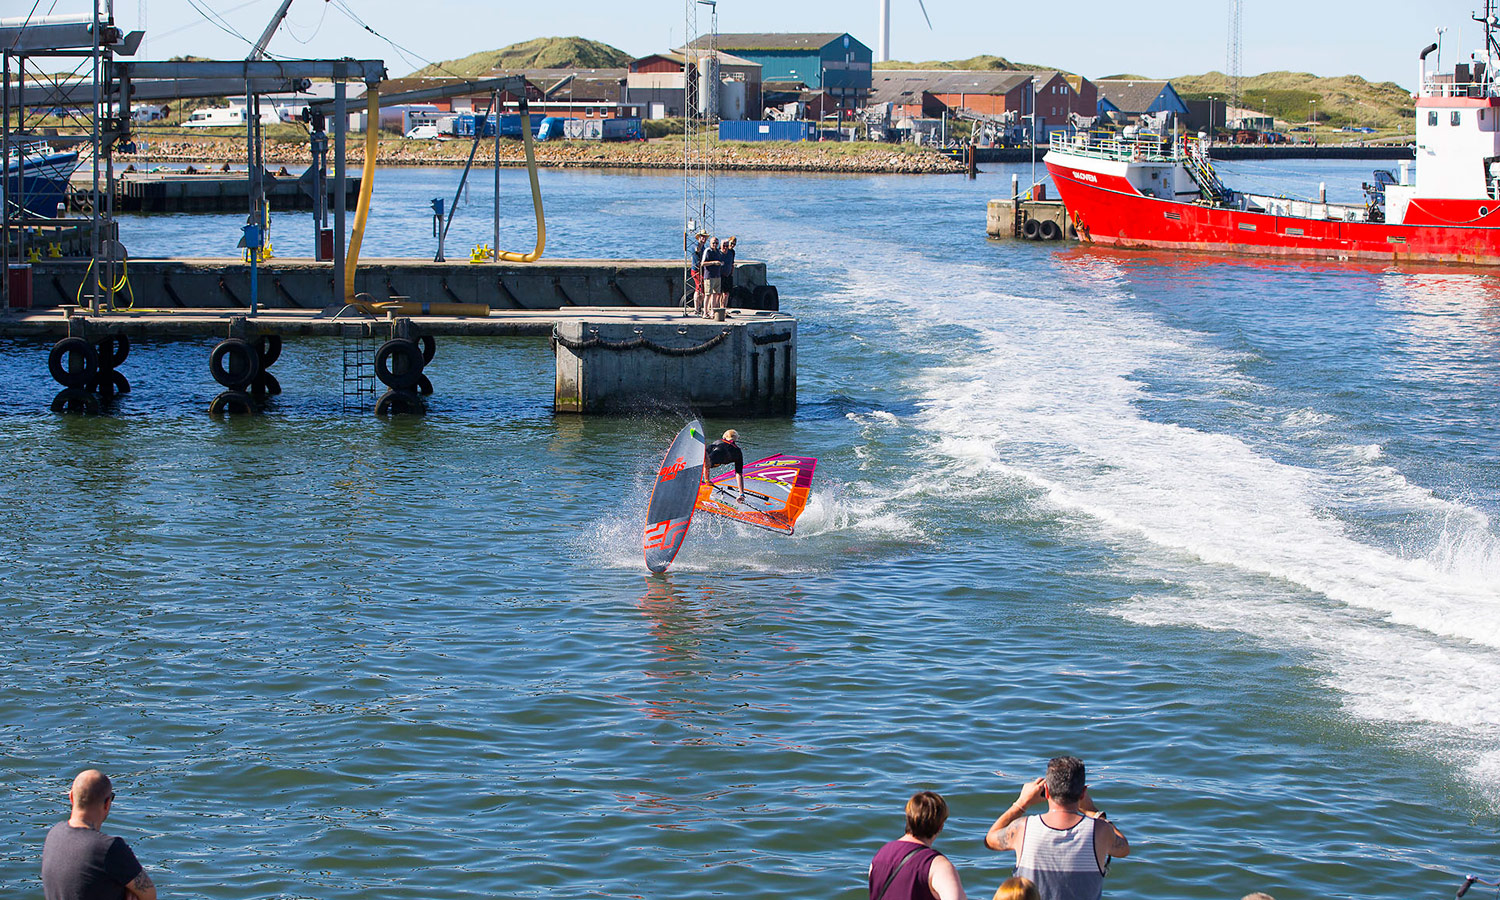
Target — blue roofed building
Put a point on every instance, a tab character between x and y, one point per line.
835	63
1125	100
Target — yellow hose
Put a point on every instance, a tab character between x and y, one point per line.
536	198
366	186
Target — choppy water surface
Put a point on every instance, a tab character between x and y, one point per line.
1223	527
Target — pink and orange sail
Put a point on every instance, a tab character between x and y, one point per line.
777	489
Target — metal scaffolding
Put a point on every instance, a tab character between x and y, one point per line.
700	116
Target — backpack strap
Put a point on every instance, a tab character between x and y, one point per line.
896	871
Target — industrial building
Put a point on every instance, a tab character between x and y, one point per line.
656	83
838	65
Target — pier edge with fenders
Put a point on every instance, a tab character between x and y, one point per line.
616	323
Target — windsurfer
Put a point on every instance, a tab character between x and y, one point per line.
724	451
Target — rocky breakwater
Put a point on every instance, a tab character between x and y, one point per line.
901	159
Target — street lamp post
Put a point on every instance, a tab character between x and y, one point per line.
1033	136
1313	117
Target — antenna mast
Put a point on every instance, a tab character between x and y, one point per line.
1232	70
700	116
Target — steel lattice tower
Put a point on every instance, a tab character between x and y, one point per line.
700	116
1232	69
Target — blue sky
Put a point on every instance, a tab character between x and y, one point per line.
1378	39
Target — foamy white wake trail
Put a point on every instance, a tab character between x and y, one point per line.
1050	390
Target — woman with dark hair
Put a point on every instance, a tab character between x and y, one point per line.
908	868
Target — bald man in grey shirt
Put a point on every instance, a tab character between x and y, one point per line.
80	862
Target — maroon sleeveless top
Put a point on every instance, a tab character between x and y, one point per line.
911	881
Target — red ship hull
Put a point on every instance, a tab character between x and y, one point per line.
1108	210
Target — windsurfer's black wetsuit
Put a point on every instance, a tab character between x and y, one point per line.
722	453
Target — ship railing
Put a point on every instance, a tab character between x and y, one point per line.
1307	209
1433	87
1201	168
1110	145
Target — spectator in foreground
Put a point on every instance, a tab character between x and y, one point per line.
1017	888
80	862
908	868
1066	850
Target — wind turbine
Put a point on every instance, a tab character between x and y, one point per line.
884	54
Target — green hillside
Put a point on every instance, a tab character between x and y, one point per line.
1290	96
972	64
540	53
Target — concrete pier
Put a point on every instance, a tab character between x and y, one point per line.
607	359
1036	220
744	366
546	284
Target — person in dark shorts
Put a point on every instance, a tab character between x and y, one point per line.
726	267
723	452
695	266
908	868
80	862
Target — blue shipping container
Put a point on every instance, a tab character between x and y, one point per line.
623	130
510	125
752	130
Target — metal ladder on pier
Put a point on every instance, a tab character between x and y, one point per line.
359	367
1198	165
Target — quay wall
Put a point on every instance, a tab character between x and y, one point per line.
305	284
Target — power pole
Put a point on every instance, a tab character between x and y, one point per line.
1232	66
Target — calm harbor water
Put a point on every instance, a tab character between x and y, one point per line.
1224	527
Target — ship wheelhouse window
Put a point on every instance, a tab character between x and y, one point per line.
1432	118
1455	118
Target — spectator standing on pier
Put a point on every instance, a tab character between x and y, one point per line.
695	252
1066	850
726	274
908	868
80	862
713	263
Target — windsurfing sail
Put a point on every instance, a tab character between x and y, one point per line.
674	497
776	492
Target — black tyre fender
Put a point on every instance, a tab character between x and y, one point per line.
265	385
73	362
75	400
424	386
1032	229
399	403
234	363
398	364
268	348
768	298
112	350
428	345
108	382
232	403
742	297
1050	231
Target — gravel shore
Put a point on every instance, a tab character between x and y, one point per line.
655	154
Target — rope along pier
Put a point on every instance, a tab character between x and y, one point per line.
638	343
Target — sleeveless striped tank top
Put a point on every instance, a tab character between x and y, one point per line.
1061	861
